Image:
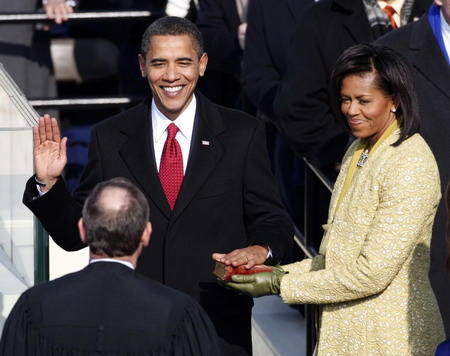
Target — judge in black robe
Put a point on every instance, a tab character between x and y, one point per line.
108	308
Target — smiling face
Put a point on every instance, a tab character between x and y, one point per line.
172	68
368	110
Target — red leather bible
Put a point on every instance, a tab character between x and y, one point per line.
224	272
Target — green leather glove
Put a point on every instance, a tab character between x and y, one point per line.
258	284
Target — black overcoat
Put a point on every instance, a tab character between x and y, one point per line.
228	200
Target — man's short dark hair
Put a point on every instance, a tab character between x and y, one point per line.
172	26
115	230
392	77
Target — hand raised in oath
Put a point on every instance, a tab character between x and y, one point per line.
50	155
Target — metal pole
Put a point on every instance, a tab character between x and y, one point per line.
80	16
84	103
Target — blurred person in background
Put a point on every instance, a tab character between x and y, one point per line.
326	28
25	48
264	64
223	24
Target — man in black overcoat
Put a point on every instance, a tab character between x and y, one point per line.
264	64
109	308
222	23
325	29
227	201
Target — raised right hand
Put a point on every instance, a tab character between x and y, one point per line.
50	155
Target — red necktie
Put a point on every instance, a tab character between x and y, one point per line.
389	10
171	167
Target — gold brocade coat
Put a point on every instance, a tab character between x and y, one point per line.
372	277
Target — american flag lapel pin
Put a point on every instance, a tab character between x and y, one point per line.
205	143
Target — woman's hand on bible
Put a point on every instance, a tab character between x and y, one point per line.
258	284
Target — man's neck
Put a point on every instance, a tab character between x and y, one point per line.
123	259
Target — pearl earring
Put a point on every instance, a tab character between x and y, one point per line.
394	110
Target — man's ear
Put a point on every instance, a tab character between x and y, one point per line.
203	62
141	60
145	238
82	230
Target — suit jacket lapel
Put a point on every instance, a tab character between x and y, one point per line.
141	162
430	60
206	152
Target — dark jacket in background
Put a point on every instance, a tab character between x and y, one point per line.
218	21
326	28
269	35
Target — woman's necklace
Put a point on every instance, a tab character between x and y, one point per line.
364	156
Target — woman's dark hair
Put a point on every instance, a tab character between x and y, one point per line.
392	77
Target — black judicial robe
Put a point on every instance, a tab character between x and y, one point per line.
107	309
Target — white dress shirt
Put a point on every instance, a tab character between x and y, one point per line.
445	33
185	124
125	263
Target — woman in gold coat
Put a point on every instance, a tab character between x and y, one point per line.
371	274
